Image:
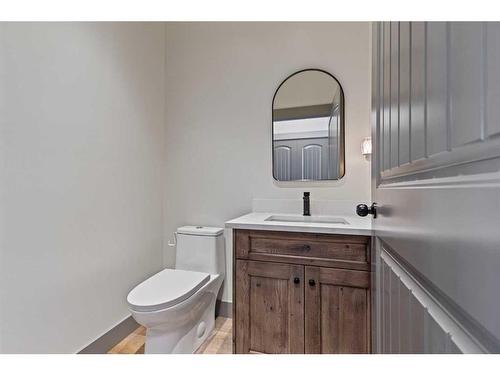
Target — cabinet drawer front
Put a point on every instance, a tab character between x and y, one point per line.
309	248
273	246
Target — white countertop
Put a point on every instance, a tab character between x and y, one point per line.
257	221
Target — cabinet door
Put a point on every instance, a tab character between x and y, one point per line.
337	311
269	313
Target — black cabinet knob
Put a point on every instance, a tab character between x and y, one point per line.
312	282
296	280
363	210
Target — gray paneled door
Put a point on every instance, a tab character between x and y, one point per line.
436	179
305	159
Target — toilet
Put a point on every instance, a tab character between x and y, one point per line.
177	306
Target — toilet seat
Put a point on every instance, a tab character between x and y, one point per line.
165	289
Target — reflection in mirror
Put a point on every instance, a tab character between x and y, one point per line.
308	128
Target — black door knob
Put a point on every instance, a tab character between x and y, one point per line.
312	282
363	210
296	280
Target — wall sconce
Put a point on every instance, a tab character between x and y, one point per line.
366	147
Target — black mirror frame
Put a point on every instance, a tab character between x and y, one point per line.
342	128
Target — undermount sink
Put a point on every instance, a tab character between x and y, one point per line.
307	219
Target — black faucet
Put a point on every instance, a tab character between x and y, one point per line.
307	204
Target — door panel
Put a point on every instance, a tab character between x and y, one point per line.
394	87
337	311
437	88
415	322
311	162
283	162
417	79
297	159
466	82
269	298
269	308
438	213
386	97
404	93
493	75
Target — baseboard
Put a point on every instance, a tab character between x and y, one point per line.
108	340
116	334
224	309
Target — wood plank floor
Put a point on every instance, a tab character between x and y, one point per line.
219	341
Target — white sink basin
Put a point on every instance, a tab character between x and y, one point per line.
307	219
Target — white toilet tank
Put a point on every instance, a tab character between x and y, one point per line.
200	249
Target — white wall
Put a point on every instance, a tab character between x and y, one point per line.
221	78
81	178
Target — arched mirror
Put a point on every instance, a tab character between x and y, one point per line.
308	128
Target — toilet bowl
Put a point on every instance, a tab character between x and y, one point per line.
177	306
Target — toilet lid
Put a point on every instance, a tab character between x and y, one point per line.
165	289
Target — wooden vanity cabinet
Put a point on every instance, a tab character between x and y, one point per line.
301	293
270	308
337	311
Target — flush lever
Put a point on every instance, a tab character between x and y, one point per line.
174	243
